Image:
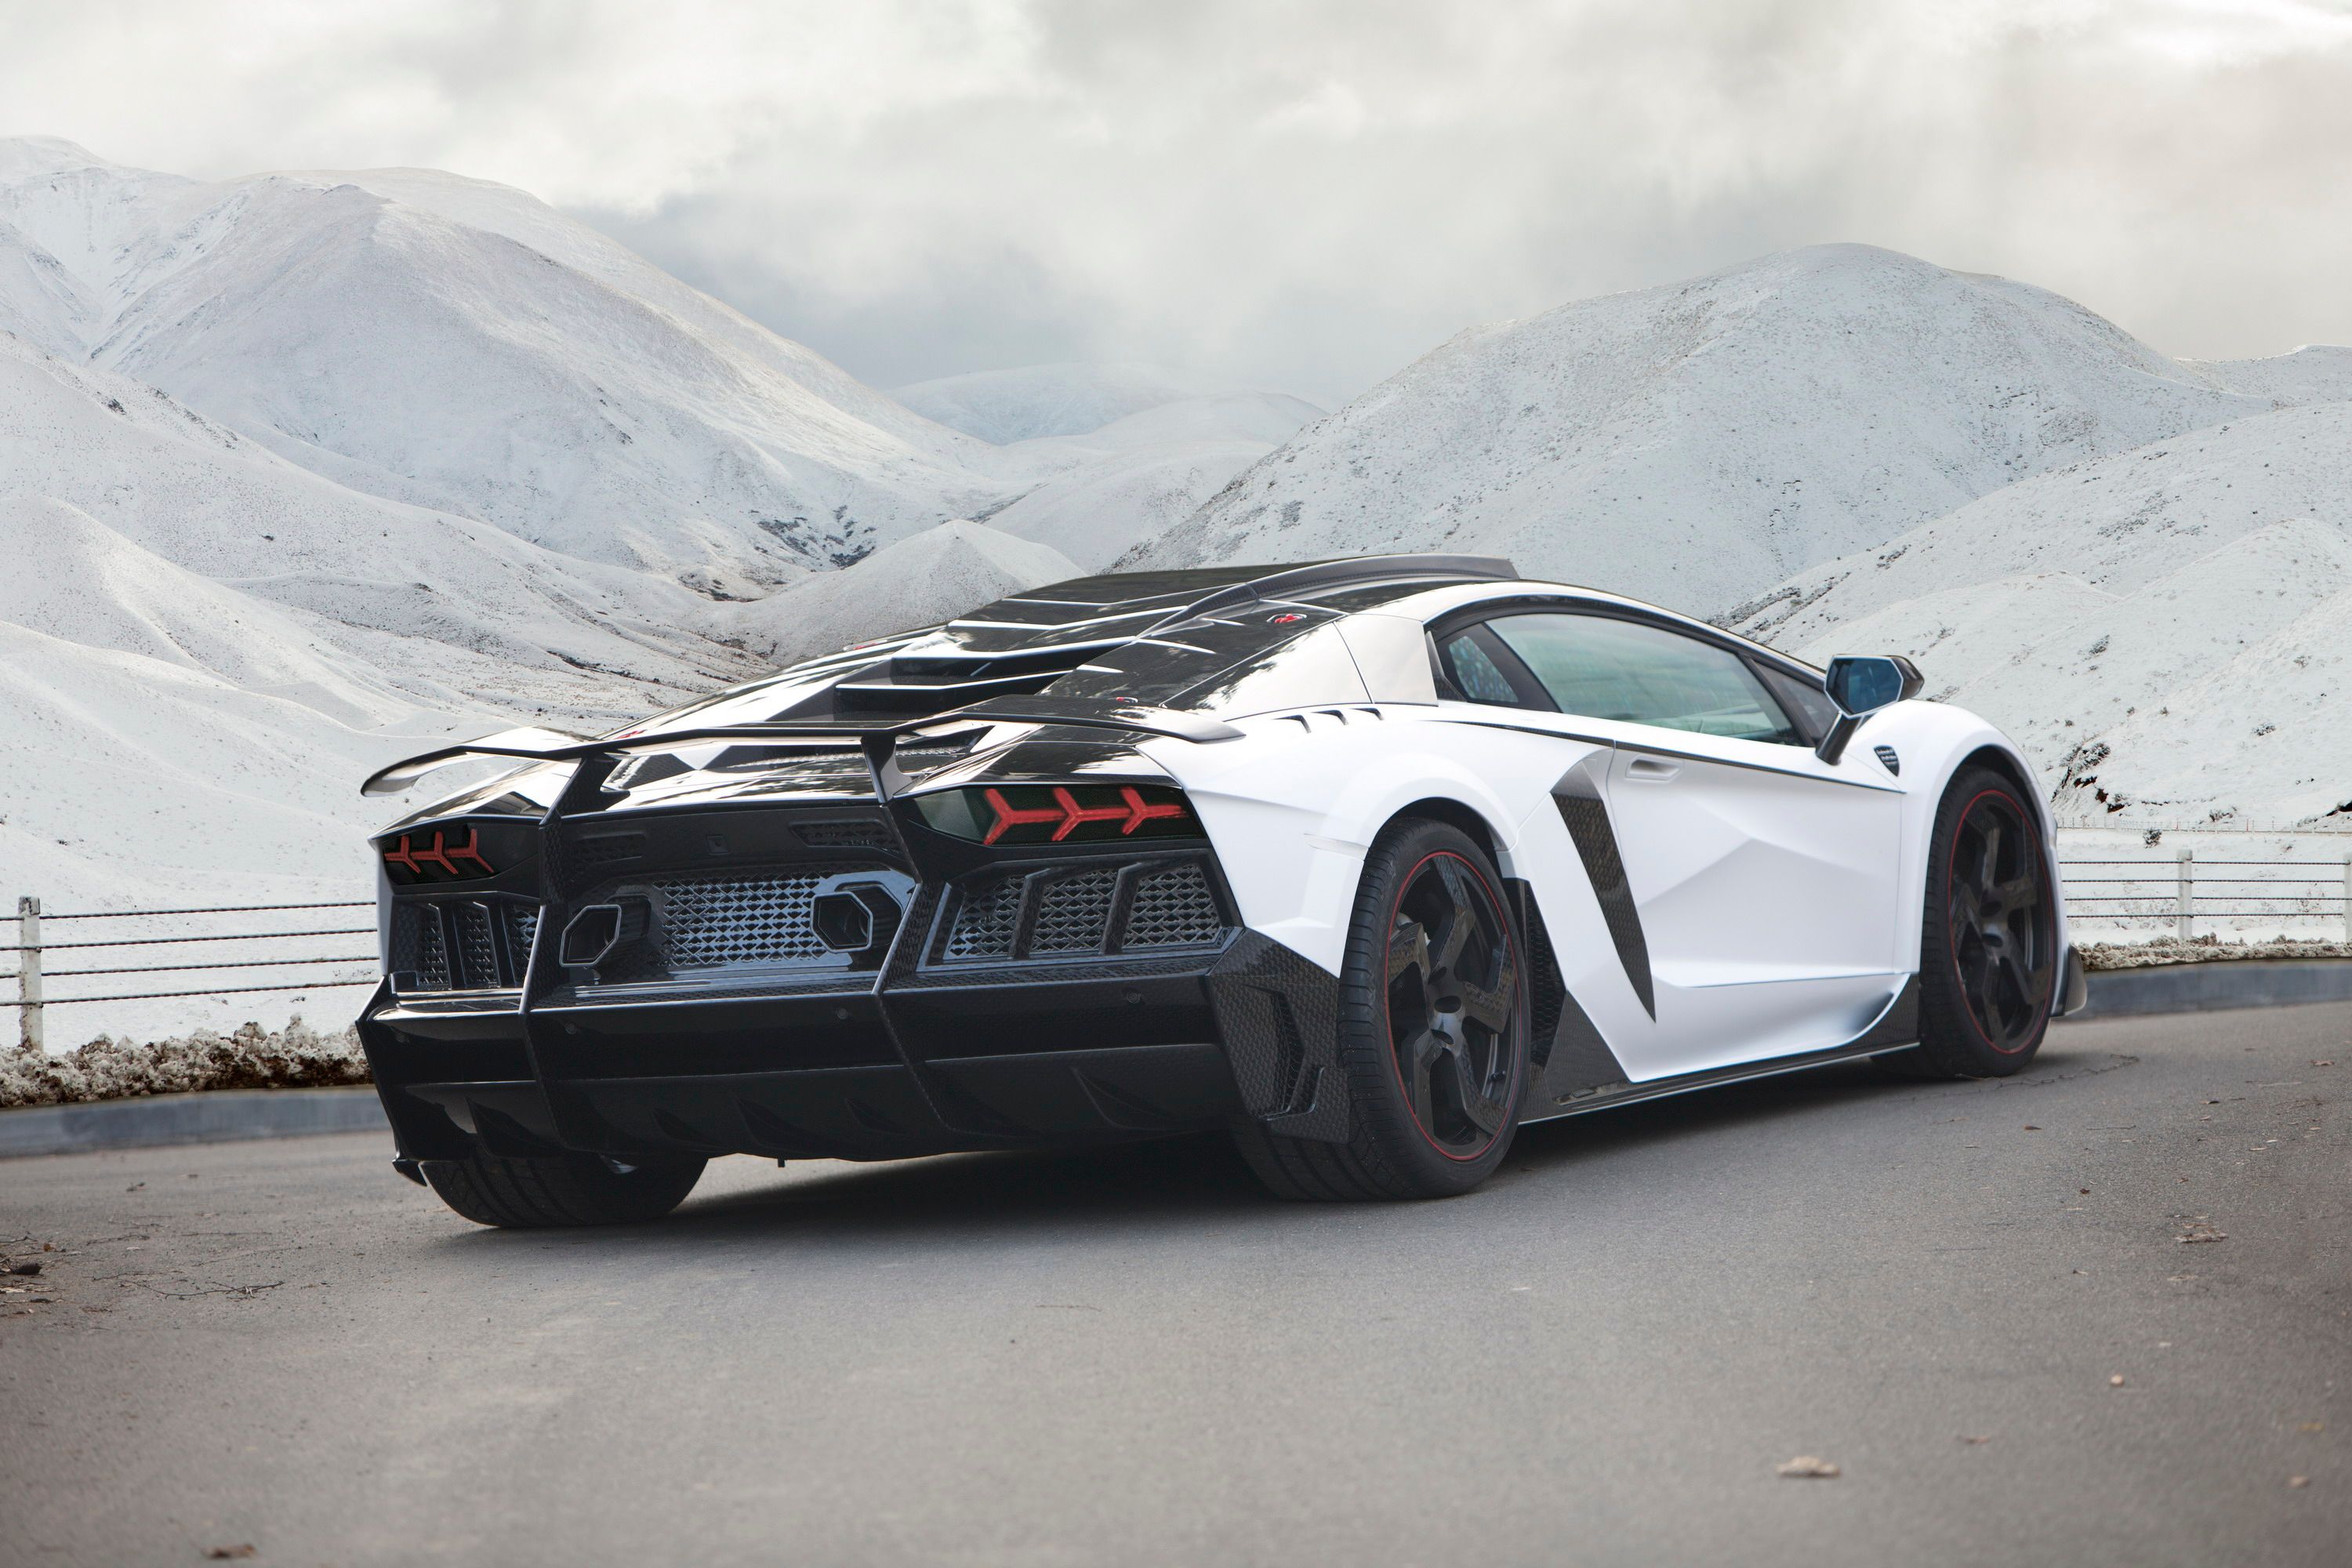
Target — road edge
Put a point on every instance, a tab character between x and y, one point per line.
224	1116
207	1116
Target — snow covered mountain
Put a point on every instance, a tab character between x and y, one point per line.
2167	631
458	345
1118	454
1695	443
922	580
203	647
1108	490
114	498
1003	406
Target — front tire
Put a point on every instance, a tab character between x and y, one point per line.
1989	959
1434	1025
562	1190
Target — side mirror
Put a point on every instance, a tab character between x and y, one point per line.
1861	687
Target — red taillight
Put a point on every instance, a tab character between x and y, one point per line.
413	856
1130	811
1059	814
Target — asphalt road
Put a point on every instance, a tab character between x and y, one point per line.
1132	1357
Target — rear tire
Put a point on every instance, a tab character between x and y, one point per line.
1432	1028
1989	959
564	1190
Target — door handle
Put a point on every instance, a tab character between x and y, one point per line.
1651	769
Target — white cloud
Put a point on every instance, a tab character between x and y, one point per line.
1305	194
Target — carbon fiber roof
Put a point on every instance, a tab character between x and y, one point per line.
1167	639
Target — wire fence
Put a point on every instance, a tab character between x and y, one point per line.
2181	891
2197	895
97	975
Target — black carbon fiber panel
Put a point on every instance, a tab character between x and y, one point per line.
1596	845
1279	1013
1546	990
843	834
958	977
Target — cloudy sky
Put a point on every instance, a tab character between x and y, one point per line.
1299	194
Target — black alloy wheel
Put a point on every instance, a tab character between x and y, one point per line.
1432	1030
1989	961
1999	921
1453	996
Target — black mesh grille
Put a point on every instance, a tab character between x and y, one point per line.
1546	991
713	921
1172	905
479	959
1074	913
421	947
1173	908
984	922
417	947
522	924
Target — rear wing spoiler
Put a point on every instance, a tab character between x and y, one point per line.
877	740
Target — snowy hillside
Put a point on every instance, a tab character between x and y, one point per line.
1001	407
1119	486
436	607
920	581
2319	374
204	647
2167	631
458	345
1695	443
1111	456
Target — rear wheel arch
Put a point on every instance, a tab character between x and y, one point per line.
1393	1147
1466	819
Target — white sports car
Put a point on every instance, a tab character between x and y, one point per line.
1370	861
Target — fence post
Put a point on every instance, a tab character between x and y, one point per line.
2184	914
29	972
2347	897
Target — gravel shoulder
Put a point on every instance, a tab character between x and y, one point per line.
1132	1357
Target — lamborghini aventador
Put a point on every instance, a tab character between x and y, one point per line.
1368	861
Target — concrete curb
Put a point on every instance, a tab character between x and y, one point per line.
222	1116
2211	987
214	1115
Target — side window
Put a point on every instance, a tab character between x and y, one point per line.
1804	701
1475	674
1608	669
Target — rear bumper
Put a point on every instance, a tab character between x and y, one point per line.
873	1068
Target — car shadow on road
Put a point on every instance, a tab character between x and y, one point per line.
1196	1177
